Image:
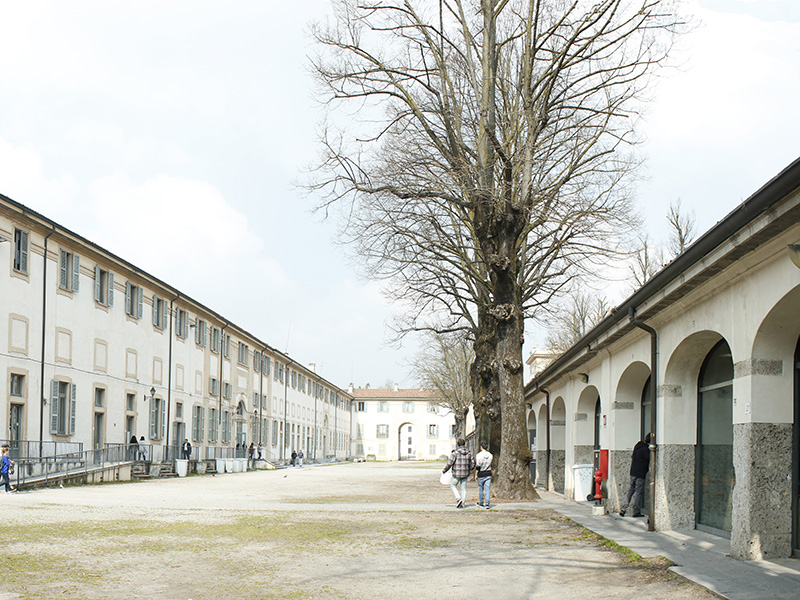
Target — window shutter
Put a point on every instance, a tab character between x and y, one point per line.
110	289
164	315
23	251
76	272
155	311
54	406
202	421
128	303
152	418
72	408
198	335
62	261
139	303
98	290
164	420
204	334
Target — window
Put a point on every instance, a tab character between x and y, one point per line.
432	450
226	426
433	431
361	407
179	410
134	300
227	390
268	365
69	272
159	312
103	286
215	339
130	402
198	418
99	397
226	345
213	386
294	378
157	418
257	359
16	385
274	433
383	431
213	425
21	250
408	407
453	431
62	408
432	407
383	406
200	327
280	368
243	350
181	323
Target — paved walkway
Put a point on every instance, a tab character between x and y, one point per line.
700	557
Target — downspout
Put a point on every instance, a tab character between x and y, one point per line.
547	442
653	388
221	386
315	421
44	339
169	373
261	394
285	410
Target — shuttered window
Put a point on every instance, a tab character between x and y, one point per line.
21	250
134	300
63	407
103	286
69	271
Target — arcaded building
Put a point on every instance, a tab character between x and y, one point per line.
716	335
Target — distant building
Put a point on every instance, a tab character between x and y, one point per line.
401	424
538	360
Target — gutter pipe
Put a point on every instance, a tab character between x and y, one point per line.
653	388
44	340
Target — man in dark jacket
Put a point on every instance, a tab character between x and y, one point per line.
640	464
463	463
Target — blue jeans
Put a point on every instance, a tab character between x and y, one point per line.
6	482
454	486
484	489
636	490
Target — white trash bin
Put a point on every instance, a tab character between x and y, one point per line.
582	476
181	467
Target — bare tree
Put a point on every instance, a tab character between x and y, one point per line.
681	228
443	364
574	318
647	261
482	163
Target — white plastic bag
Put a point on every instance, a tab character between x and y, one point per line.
446	478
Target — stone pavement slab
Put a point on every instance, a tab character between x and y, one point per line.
699	557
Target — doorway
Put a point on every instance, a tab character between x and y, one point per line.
796	457
715	476
15	430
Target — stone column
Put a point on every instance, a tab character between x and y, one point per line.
762	496
675	487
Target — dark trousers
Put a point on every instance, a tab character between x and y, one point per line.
636	489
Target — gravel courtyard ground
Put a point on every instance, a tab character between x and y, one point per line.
361	531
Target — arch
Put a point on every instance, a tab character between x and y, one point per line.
585	426
541	451
796	456
533	444
407	441
558	422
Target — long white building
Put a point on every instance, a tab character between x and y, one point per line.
95	351
705	355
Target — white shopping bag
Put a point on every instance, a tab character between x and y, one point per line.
446	478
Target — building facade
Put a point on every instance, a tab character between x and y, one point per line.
96	351
708	351
401	424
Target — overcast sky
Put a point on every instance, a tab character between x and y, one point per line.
171	133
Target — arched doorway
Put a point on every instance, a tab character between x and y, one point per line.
241	429
558	422
532	443
715	478
407	442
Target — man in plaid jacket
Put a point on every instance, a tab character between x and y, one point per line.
462	464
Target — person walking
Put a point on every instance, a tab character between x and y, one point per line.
640	464
5	470
187	449
142	449
300	457
462	464
294	457
483	475
251	449
134	448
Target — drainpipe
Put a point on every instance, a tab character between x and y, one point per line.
169	373
315	420
547	441
261	394
653	388
44	339
285	410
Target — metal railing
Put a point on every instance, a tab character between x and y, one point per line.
38	469
23	450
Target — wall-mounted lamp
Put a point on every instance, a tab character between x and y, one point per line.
152	392
583	377
794	254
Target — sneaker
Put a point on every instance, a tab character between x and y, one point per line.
622	513
479	505
460	504
487	506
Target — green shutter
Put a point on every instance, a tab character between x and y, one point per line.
62	263
98	289
164	419
155	311
23	251
72	408
54	406
139	303
110	301
76	272
202	421
128	303
152	418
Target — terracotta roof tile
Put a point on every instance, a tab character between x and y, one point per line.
391	394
